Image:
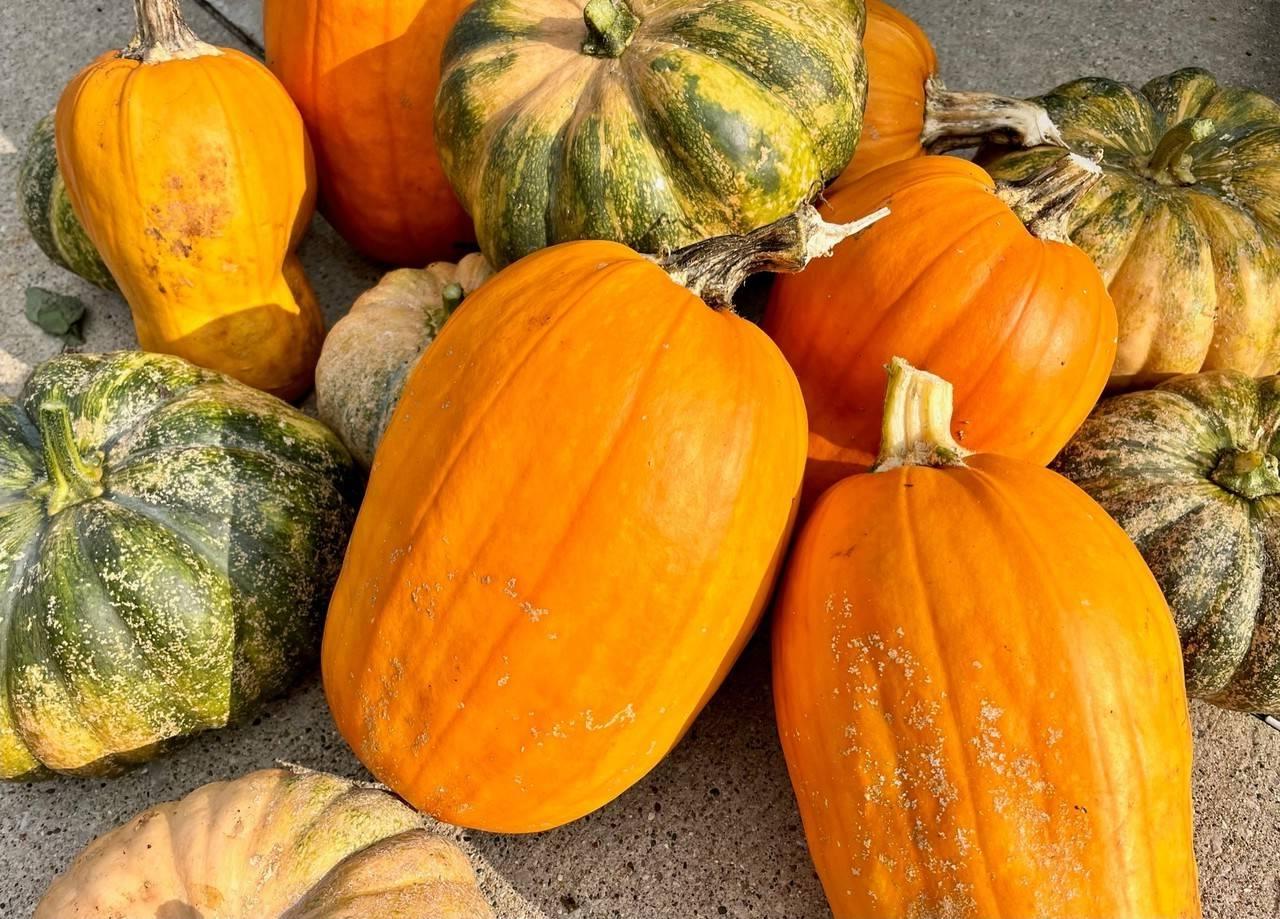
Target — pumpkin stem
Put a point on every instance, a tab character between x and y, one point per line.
715	268
1170	164
451	297
70	478
1251	474
1044	201
916	429
162	34
955	121
611	24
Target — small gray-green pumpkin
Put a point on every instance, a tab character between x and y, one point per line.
168	542
46	210
1191	470
369	352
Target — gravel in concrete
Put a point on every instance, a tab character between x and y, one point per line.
713	831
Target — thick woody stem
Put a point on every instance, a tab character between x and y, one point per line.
1044	201
162	34
1170	163
956	121
611	24
715	268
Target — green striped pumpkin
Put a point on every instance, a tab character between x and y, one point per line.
656	123
1191	470
46	210
168	541
1184	226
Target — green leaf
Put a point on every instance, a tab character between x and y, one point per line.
57	314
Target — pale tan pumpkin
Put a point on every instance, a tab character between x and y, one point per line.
274	843
371	350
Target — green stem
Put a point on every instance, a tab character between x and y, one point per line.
70	478
1251	474
715	268
1170	164
916	429
611	24
162	34
451	297
1044	201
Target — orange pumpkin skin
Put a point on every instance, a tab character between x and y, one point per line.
194	179
978	690
952	281
572	524
900	61
365	74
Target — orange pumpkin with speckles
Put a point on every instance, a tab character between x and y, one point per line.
979	691
572	525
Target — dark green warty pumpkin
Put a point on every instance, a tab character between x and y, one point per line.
1185	226
655	123
1191	470
46	210
168	542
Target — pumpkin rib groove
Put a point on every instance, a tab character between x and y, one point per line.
1012	327
625	414
1101	766
378	623
921	276
911	549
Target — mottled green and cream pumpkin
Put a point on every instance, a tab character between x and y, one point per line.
1191	470
168	541
1185	226
275	844
46	210
369	352
655	123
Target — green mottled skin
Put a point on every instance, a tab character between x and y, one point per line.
1157	462
191	588
46	210
1194	266
719	116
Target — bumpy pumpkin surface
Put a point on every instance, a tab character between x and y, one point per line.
649	122
47	212
364	73
190	169
168	541
954	281
371	350
572	526
275	844
1191	471
1185	226
979	694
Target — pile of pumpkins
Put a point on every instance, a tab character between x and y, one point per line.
584	468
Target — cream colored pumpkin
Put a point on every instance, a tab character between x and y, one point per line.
274	843
371	350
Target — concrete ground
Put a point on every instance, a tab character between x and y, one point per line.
713	831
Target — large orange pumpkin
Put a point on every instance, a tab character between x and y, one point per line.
190	169
979	692
365	73
910	112
1016	317
572	524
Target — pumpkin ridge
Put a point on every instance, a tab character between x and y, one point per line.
911	549
922	271
368	686
479	672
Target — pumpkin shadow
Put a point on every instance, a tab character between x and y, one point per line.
712	831
176	909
